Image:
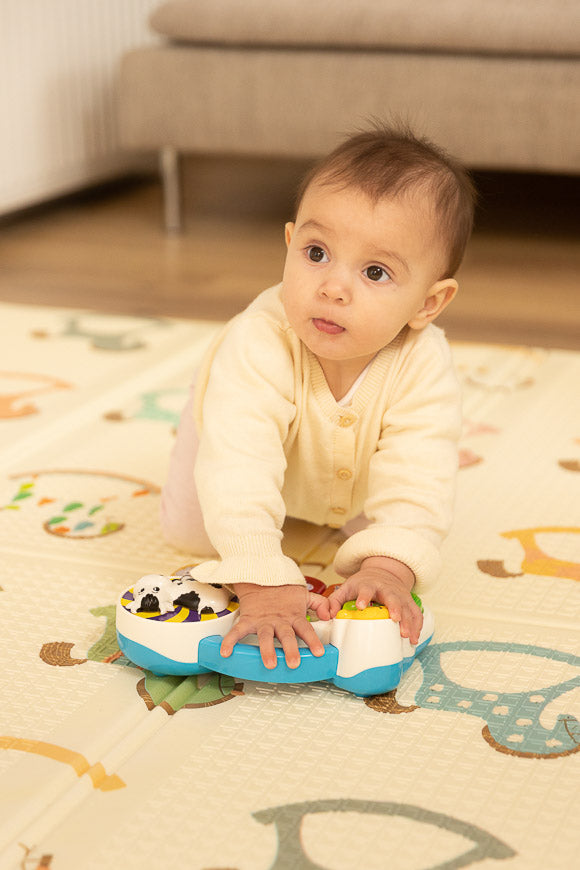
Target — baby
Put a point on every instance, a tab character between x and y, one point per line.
332	398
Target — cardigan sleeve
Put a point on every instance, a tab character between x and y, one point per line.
412	473
246	410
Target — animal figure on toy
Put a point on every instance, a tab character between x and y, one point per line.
158	593
175	625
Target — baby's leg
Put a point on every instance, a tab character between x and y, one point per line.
357	524
181	516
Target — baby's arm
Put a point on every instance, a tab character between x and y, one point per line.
388	582
411	485
246	406
244	410
276	611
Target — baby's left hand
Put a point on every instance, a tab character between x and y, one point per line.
388	582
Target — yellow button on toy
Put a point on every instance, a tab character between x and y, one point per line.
351	611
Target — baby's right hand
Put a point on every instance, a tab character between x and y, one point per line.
276	611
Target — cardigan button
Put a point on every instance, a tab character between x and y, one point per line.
344	474
346	420
338	510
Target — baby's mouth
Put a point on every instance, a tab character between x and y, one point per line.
327	326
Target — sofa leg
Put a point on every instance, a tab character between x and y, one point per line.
170	175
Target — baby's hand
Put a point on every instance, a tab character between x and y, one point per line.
388	582
276	611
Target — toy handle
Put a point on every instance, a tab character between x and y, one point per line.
246	663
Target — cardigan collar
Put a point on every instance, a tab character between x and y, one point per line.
375	376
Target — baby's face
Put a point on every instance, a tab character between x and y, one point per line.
357	273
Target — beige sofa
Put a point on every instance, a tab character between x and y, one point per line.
495	81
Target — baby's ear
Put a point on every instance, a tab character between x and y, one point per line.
288	230
437	299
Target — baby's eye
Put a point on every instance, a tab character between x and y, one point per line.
316	254
377	273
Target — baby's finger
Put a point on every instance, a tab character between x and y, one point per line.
289	643
338	598
306	633
411	623
417	625
267	648
231	638
392	602
340	593
345	593
319	604
394	608
365	595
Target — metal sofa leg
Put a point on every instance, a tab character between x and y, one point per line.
170	175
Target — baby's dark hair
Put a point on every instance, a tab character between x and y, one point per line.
391	161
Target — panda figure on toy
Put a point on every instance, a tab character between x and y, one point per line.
159	593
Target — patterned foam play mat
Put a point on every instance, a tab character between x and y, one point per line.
473	760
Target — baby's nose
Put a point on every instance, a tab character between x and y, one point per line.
337	286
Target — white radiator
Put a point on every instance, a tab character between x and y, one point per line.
58	66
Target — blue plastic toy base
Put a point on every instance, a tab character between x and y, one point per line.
377	681
246	663
160	665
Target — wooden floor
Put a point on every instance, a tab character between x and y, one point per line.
106	249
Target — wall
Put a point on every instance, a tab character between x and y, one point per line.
57	93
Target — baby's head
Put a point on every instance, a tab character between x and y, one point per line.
381	226
393	163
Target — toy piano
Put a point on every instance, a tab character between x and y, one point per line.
175	625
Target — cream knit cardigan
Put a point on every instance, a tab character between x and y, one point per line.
274	442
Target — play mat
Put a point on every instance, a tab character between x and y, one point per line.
472	760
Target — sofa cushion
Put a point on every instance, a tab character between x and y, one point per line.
486	26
